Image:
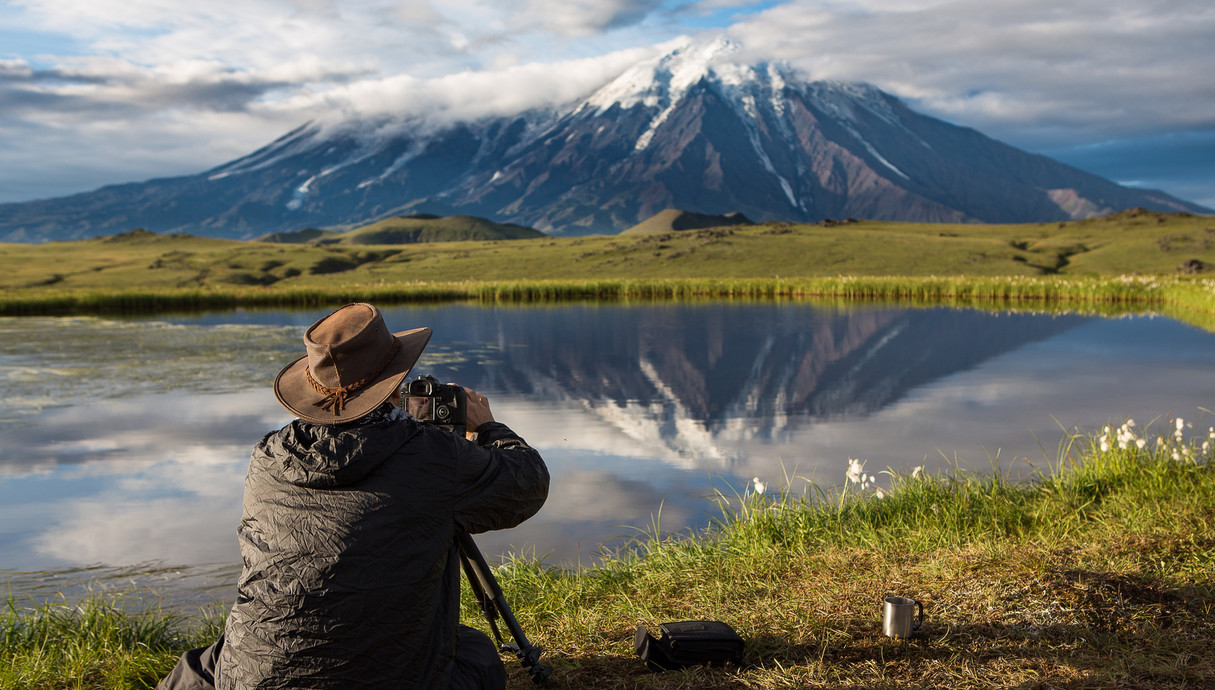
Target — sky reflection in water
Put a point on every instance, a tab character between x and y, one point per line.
125	442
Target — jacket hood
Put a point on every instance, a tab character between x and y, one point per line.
325	456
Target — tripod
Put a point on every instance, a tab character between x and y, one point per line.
493	605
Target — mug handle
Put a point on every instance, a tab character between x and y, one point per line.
920	617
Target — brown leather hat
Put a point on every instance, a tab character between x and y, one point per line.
353	365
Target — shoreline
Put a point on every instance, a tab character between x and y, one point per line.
1096	574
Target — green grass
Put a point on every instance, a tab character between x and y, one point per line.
92	644
1097	571
1080	262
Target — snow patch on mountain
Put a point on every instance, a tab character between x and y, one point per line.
662	83
880	158
662	80
401	161
295	142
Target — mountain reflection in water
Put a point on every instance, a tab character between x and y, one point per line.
124	442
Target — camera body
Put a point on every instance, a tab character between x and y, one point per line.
439	404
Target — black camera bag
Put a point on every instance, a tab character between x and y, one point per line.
689	643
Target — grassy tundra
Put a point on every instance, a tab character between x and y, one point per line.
1079	262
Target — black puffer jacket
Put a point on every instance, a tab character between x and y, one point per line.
351	578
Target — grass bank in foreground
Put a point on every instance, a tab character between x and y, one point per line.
1098	572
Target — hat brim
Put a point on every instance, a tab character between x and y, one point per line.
293	391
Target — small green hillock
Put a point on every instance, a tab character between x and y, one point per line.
298	237
412	230
675	220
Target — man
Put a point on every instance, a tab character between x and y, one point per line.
351	573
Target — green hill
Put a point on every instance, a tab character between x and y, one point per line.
298	237
674	220
411	230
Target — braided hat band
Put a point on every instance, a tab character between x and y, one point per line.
353	362
335	397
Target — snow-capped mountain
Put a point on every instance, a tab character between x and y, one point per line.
689	130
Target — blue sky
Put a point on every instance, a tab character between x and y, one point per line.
96	92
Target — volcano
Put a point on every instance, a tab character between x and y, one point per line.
688	130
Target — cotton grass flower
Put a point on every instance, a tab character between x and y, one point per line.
758	486
1126	435
856	470
1172	441
1179	433
858	476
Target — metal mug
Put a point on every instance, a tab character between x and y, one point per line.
898	620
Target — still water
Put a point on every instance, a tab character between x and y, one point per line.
124	442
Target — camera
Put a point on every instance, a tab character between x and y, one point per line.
440	404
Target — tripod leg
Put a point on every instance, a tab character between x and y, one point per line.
484	601
493	604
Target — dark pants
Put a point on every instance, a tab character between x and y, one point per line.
195	670
477	667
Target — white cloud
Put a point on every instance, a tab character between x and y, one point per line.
1040	72
472	94
582	17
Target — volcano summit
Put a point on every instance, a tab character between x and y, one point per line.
688	130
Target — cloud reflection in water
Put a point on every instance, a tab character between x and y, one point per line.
636	410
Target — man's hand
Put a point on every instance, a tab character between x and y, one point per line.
478	412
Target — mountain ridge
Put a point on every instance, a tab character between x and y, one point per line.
689	129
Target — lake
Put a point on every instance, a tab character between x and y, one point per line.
124	441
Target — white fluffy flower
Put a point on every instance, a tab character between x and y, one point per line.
856	469
758	485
